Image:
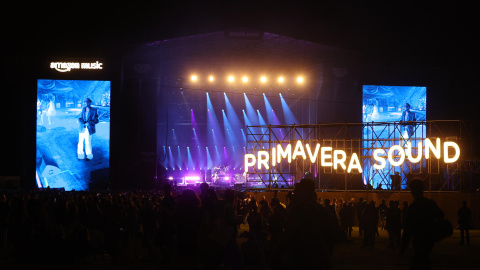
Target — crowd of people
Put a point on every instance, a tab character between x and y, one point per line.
187	229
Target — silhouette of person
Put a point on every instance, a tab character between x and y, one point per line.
464	218
254	219
203	192
229	221
329	207
277	221
167	226
310	234
360	207
346	218
418	226
188	219
393	217
370	220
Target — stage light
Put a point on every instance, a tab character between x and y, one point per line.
210	78
281	79
300	79
244	79
194	77
263	79
231	78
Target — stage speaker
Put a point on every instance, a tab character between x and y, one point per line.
9	182
208	176
47	168
238	186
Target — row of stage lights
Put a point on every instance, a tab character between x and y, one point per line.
245	79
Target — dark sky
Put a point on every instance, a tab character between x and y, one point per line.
442	35
399	32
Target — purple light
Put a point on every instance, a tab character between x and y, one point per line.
192	179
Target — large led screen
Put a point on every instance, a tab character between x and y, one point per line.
394	115
72	134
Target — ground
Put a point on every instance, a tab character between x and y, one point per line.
447	254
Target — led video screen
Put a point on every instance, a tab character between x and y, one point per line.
72	133
392	105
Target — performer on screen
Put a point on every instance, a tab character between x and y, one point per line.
87	119
407	115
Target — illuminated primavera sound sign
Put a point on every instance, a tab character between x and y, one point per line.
329	157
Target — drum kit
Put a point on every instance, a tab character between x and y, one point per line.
221	176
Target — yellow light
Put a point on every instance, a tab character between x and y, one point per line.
300	79
194	78
244	79
263	79
210	78
281	79
231	79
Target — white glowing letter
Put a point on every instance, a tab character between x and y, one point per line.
313	157
274	156
429	146
287	153
401	152
381	160
446	157
299	151
249	163
325	156
337	160
262	160
409	152
354	164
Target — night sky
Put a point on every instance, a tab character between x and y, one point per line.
441	36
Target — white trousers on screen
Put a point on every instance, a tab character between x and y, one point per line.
84	136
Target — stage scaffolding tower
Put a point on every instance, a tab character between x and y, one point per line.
362	139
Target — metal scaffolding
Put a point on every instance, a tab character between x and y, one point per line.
361	139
